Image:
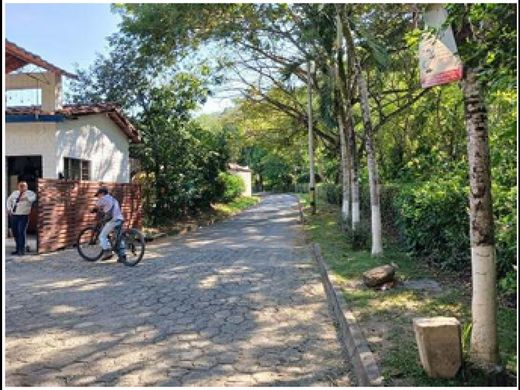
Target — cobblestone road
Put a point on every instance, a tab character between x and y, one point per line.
236	304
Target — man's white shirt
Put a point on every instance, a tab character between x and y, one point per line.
24	204
106	202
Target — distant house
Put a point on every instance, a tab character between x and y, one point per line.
244	173
57	141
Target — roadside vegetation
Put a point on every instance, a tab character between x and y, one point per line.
385	317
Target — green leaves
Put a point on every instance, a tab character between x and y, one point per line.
376	51
433	221
232	186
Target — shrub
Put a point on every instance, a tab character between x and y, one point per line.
331	192
504	208
433	222
232	186
387	194
360	238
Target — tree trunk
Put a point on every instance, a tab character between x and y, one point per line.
345	170
344	150
354	176
377	244
484	346
312	178
344	117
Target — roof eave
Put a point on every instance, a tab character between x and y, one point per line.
25	57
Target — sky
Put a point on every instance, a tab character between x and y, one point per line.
67	35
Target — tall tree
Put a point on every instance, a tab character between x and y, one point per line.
344	113
481	47
181	161
377	241
312	175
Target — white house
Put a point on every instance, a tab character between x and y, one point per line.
244	173
53	140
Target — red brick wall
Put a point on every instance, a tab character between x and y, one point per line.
63	209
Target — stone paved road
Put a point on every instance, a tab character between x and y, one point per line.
236	304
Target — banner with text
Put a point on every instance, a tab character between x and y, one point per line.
438	59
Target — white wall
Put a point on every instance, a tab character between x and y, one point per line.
98	139
246	176
33	138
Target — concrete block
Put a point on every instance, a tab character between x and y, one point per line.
439	344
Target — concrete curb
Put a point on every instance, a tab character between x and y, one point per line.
351	336
363	362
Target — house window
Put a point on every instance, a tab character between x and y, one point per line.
76	169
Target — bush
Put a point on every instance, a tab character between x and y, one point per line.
232	186
433	222
332	193
387	194
504	208
360	238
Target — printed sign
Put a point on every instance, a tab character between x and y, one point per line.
438	59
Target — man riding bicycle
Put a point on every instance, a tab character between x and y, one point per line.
112	212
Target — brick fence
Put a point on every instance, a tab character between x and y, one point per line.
63	209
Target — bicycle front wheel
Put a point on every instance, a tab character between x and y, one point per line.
88	244
134	246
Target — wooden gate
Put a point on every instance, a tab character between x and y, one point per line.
63	209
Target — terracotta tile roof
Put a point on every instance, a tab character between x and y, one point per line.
74	110
238	168
17	57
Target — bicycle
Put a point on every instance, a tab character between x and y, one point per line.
89	247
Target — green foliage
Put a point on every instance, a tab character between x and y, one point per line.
331	192
358	239
491	46
433	222
504	204
508	284
179	160
276	173
233	186
184	158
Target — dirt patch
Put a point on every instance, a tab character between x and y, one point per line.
423	285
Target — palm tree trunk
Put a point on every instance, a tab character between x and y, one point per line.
354	176
344	115
484	346
345	170
377	242
344	149
312	178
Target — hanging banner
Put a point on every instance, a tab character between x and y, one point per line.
438	59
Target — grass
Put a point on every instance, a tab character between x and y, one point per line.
217	212
235	206
386	316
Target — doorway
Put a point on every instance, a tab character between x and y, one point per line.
29	169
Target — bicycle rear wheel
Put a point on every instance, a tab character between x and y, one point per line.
88	244
134	246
